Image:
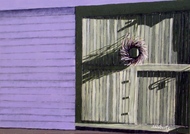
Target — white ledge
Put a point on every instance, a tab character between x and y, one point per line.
164	67
153	128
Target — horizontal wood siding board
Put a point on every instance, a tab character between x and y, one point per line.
33	41
39	91
36	20
37	34
41	111
28	70
44	107
37	104
41	125
37	83
32	27
38	12
40	49
52	77
37	55
47	44
51	97
38	62
36	118
37	68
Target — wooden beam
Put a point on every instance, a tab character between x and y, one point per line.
153	128
78	107
166	67
133	8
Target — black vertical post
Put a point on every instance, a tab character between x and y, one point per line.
78	49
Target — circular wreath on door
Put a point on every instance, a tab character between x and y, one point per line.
133	51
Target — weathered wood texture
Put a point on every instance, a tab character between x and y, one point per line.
157	91
114	93
169	76
37	68
108	95
135	128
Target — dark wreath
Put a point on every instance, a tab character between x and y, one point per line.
129	45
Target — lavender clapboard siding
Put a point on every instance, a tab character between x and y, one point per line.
37	68
44	48
38	12
38	124
26	70
39	27
36	34
36	62
40	105
37	76
39	91
37	19
37	84
45	55
35	41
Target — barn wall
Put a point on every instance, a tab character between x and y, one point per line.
149	95
37	68
110	91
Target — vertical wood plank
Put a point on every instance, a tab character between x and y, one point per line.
111	86
151	99
93	88
111	96
127	90
136	90
102	44
144	91
104	77
170	96
148	100
83	54
122	94
140	96
132	95
108	89
98	82
89	51
114	98
165	97
97	99
158	104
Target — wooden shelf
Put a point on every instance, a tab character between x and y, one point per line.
130	127
164	67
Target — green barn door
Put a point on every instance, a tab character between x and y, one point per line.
109	90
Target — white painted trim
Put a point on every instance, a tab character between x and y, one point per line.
164	67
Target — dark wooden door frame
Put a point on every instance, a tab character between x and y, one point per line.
114	10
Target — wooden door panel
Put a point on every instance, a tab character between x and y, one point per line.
157	97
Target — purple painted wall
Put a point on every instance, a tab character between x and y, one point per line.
37	68
29	4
